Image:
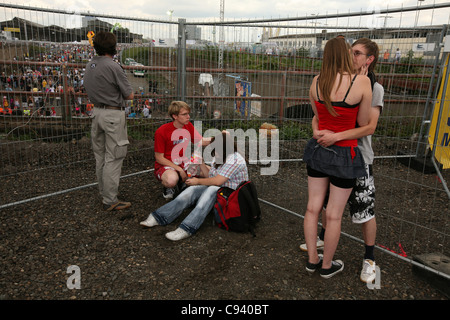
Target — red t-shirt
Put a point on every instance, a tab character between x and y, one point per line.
166	144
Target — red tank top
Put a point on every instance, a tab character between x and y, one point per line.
345	120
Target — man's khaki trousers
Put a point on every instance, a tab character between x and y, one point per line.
109	142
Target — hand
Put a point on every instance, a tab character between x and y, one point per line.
183	174
327	139
364	70
192	181
317	134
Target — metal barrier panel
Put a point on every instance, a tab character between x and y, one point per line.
238	75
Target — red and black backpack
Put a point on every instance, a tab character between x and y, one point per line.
238	209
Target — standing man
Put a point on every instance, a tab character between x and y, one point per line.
362	199
108	89
398	55
386	56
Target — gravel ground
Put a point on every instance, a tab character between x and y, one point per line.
120	260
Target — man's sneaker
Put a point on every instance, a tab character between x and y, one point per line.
178	234
311	267
336	267
368	272
320	245
168	193
149	222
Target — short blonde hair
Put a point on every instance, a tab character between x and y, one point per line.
176	106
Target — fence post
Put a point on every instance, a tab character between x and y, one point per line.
283	94
181	65
66	108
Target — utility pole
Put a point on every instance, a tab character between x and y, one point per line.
221	43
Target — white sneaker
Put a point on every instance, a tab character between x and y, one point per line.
178	234
368	272
320	245
149	222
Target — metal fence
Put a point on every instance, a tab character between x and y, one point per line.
234	74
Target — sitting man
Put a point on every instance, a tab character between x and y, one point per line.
171	141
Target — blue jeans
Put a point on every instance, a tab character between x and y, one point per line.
203	197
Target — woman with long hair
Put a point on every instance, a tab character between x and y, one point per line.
340	100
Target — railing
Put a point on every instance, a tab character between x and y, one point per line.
48	138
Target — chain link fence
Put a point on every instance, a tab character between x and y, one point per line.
234	75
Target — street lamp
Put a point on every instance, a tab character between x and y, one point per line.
315	26
169	13
385	19
417	13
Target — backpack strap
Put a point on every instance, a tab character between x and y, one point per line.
220	212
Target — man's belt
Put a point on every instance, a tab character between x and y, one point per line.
104	106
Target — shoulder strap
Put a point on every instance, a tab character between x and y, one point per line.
351	84
317	88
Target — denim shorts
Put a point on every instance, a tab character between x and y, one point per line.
335	161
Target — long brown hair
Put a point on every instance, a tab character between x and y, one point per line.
336	59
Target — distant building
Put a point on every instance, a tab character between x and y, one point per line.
85	20
387	39
22	29
193	33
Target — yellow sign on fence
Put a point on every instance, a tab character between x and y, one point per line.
11	29
442	152
90	36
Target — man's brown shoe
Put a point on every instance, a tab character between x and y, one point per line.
117	206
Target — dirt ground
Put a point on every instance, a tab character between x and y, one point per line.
120	260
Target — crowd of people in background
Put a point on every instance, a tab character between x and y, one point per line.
45	83
47	78
47	104
139	108
43	86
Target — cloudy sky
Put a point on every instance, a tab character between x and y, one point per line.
209	10
193	10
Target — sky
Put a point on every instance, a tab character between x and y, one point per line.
193	10
236	10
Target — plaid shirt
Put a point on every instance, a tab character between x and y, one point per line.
234	168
